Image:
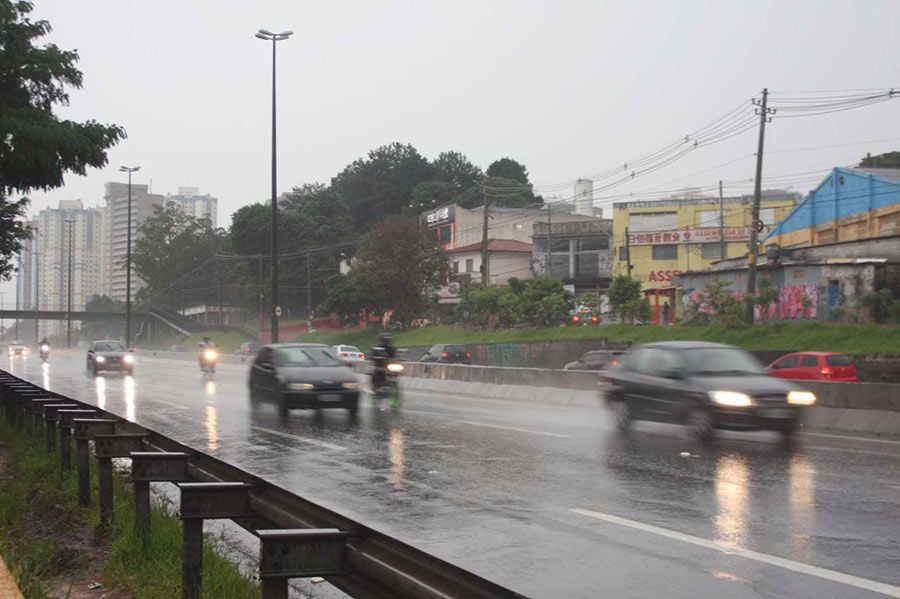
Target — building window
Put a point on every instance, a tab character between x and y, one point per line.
665	252
470	265
708	218
652	221
559	246
711	250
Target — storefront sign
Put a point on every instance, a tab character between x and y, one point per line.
711	235
438	217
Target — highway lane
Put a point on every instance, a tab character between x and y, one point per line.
549	500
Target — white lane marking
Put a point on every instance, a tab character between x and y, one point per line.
298	438
855	581
863	439
512	428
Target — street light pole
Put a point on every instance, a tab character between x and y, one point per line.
266	35
129	170
70	225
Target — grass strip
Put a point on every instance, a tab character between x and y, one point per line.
48	541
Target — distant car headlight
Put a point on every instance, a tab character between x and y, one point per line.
730	398
301	386
99	359
350	385
801	398
128	359
394	367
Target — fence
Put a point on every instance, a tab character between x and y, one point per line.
297	537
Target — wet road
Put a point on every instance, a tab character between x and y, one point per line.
550	501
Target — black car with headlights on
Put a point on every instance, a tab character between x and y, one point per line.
109	356
303	376
707	386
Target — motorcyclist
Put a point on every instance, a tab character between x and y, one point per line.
382	354
44	348
205	345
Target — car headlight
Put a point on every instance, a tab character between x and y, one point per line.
801	398
394	367
730	398
350	385
128	359
99	359
301	386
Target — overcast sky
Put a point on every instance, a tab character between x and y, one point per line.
567	88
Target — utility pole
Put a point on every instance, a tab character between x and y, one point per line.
549	247
308	296
723	253
485	267
757	193
628	251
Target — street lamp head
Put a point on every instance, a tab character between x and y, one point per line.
265	32
262	37
129	169
285	34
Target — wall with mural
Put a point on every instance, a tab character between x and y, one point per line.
799	302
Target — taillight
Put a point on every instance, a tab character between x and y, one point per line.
343	355
444	355
595	319
615	362
576	318
468	355
826	372
362	356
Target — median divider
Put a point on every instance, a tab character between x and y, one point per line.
298	538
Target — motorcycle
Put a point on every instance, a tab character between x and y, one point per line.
389	387
45	352
208	359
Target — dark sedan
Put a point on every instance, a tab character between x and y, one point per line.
599	359
303	376
109	356
704	385
447	354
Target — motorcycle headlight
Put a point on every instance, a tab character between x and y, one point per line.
801	398
301	386
394	367
45	348
210	354
350	385
731	398
99	359
128	359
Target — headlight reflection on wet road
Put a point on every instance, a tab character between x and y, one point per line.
733	497
212	418
398	465
100	384
129	398
45	376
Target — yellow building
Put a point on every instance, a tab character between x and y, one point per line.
667	237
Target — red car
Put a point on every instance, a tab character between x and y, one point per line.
814	365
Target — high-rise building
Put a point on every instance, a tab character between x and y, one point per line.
67	242
189	201
143	204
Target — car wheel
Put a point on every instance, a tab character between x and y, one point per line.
789	429
701	423
353	410
94	370
282	406
621	414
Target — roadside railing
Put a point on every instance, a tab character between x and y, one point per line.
297	538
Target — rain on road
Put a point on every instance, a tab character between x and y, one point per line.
549	501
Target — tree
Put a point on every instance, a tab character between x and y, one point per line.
507	168
623	293
431	194
103	303
174	254
381	185
398	265
716	303
507	192
36	148
344	298
456	169
886	160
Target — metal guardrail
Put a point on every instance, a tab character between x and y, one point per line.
298	538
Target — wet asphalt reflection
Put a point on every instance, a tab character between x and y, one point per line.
548	500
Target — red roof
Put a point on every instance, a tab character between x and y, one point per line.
495	245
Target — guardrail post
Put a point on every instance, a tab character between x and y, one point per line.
107	447
299	553
35	410
199	502
153	466
50	411
65	417
85	429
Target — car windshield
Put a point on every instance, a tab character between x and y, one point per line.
306	356
722	362
109	346
350	348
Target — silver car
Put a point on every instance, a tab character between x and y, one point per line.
349	353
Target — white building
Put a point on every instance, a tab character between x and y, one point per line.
116	233
189	201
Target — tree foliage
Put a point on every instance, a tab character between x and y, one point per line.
396	266
625	301
716	304
507	168
36	147
542	301
454	168
175	256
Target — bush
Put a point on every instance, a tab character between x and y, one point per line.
883	306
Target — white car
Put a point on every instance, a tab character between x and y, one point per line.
17	348
349	353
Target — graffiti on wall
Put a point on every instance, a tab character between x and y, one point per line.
797	302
